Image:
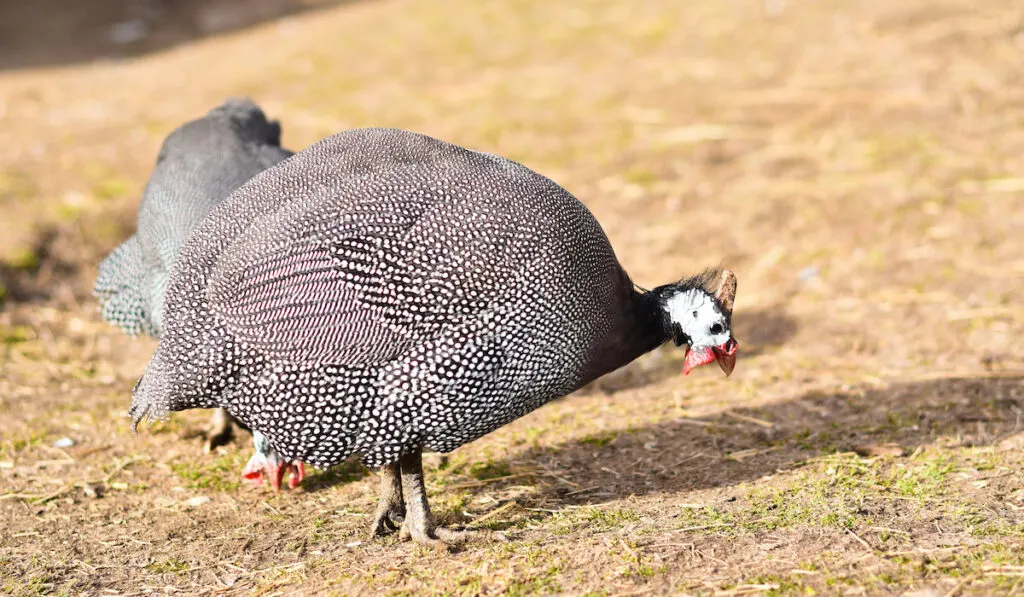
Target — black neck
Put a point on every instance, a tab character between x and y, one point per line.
643	327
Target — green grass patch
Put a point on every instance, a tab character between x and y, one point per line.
545	583
22	259
839	491
16	334
598	519
112	188
15	184
172	565
600	439
10	447
490	469
220	474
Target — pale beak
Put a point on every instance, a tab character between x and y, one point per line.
726	355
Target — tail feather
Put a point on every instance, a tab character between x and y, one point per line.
149	395
119	286
155	395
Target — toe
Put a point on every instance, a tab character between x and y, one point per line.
452	537
387	521
254	470
434	541
276	474
383	526
297	472
435	544
438	537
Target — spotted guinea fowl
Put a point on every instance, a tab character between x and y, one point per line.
199	165
383	293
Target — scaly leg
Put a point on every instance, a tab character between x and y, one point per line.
391	507
419	523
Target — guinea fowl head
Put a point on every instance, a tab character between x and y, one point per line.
699	316
248	121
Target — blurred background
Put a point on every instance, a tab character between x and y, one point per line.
860	165
59	32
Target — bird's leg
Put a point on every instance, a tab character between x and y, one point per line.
391	507
419	523
220	429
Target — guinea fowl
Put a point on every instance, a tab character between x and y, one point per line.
383	293
199	165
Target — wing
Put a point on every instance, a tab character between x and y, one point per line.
320	285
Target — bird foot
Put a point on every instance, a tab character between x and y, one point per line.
403	496
391	506
387	520
260	468
220	430
436	537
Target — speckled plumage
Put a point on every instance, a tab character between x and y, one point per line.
199	165
384	292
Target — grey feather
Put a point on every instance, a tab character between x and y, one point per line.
199	165
118	287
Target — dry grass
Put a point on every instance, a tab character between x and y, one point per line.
861	167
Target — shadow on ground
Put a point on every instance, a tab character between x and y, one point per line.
45	272
693	454
61	32
762	330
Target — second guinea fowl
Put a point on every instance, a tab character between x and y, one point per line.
383	293
200	163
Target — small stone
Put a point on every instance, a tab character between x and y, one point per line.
164	502
64	442
808	273
199	500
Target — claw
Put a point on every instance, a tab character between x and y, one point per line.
298	472
263	467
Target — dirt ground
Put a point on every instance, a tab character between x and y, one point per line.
859	165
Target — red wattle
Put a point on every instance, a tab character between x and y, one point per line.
697	358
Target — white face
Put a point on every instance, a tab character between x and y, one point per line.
699	317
